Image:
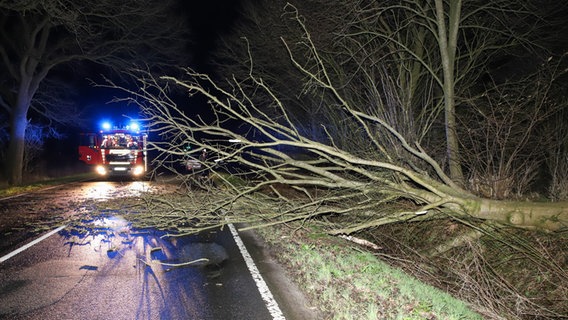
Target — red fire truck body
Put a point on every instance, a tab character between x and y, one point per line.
115	152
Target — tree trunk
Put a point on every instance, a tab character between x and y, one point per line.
549	216
18	125
447	37
16	147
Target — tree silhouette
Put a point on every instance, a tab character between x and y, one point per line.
38	36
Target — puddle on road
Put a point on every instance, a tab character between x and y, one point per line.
108	249
114	236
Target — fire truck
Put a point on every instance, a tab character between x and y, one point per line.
115	151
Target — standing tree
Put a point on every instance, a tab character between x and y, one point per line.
39	36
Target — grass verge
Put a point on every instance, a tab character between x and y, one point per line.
346	282
7	191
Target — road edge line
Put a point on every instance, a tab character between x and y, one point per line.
27	246
263	289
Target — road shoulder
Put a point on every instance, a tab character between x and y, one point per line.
290	298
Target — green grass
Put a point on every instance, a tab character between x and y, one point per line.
348	283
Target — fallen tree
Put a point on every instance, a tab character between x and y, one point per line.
326	180
327	175
378	163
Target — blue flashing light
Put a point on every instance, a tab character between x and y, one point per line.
107	126
134	126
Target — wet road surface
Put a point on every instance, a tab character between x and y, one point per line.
111	271
19	214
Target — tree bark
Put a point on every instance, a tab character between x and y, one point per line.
549	216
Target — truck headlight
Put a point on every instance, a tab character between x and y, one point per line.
138	170
101	170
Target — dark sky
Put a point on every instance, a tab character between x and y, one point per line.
208	19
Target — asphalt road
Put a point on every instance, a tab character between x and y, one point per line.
109	270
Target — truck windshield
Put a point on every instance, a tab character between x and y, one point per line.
120	141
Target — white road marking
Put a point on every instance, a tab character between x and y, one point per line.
271	304
27	246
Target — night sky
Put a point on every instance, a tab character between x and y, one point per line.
207	20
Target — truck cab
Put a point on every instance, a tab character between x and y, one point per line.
115	152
